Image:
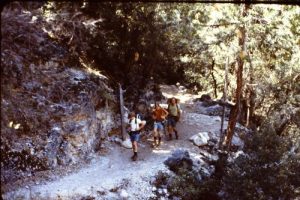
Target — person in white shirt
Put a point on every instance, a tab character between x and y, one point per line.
134	126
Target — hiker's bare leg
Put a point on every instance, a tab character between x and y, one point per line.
170	131
134	149
159	138
176	133
155	134
134	146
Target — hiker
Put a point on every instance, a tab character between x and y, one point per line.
134	127
173	117
159	115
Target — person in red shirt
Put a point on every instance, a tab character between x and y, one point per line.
159	114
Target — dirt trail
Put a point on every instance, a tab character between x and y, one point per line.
106	176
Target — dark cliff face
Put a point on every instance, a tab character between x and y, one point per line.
49	109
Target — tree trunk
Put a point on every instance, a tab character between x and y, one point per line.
214	79
251	95
239	83
224	105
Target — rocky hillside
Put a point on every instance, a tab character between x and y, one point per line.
53	112
114	176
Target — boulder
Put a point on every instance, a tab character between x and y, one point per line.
214	110
235	155
236	141
241	130
116	140
126	143
154	189
124	194
200	139
165	191
208	156
180	159
205	97
207	100
160	191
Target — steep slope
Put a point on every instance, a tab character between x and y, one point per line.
51	113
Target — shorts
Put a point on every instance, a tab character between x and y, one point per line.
158	126
134	136
172	121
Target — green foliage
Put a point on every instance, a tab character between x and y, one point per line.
269	169
187	43
202	33
265	172
186	186
123	40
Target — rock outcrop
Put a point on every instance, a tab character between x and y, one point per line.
51	113
178	160
207	106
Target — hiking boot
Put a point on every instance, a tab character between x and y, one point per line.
159	140
134	158
176	135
